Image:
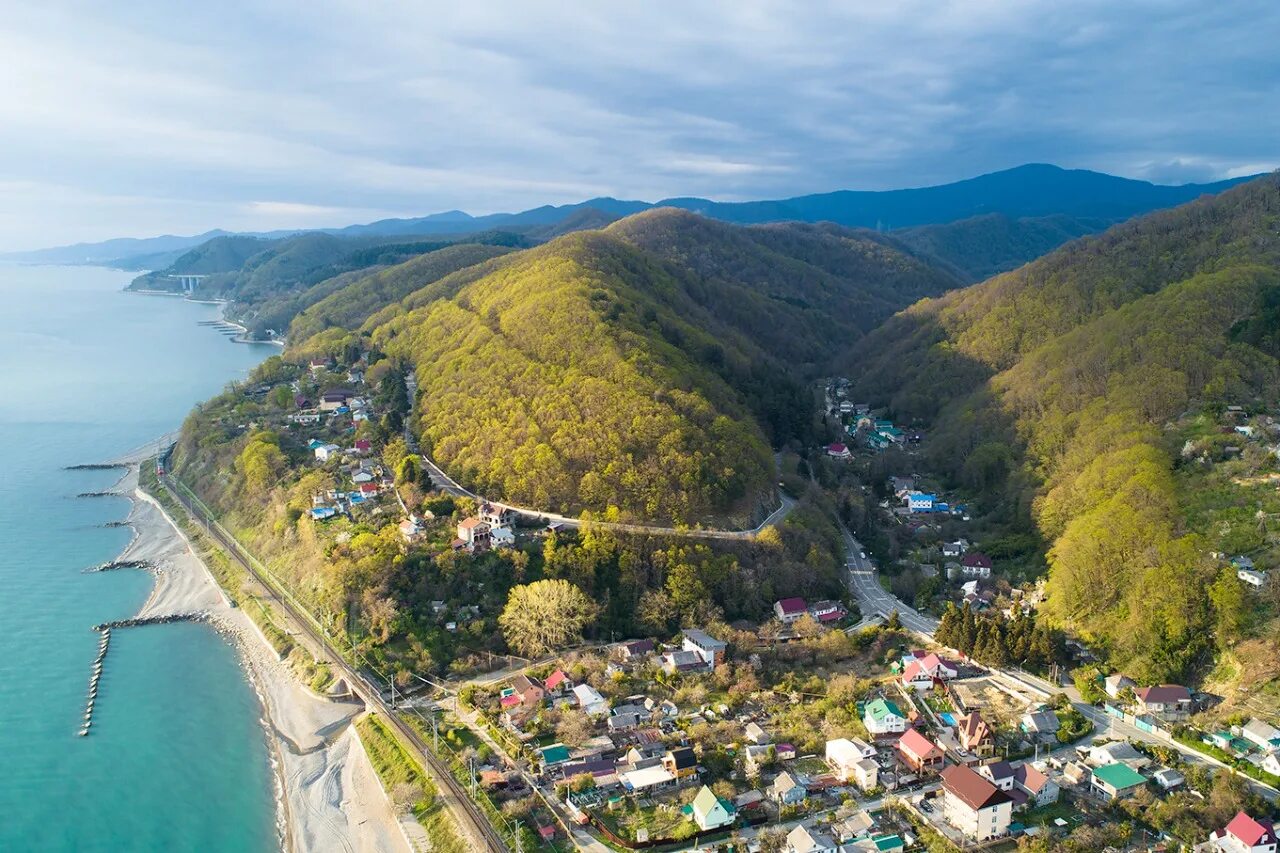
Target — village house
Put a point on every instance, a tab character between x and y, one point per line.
496	516
882	717
786	791
634	650
922	672
753	733
998	773
918	752
1118	752
529	689
1041	725
975	735
646	780
827	611
411	528
590	700
838	451
788	610
1168	778
755	757
1243	835
805	839
325	452
1271	763
1170	703
973	805
502	537
473	533
711	812
1032	781
680	762
682	661
919	501
331	401
954	549
1117	683
1252	577
976	565
556	683
1116	781
711	650
850	760
1261	734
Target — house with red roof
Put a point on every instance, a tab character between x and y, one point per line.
838	451
1170	703
973	805
1244	835
828	611
923	672
369	490
363	445
918	752
789	610
976	565
557	682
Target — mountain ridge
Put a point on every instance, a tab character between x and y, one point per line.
1017	192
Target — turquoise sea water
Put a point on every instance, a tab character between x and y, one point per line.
176	759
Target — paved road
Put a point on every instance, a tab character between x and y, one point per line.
872	598
447	484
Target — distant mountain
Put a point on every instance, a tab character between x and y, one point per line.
1035	190
1079	396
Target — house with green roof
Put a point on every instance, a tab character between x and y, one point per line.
1116	781
711	812
882	717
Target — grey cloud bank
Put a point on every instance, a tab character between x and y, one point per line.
139	120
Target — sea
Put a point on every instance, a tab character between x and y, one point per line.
177	758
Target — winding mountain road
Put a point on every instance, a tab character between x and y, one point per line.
447	484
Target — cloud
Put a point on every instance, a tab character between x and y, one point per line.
127	119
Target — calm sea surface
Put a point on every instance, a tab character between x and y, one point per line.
177	758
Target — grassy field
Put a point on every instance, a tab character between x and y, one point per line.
404	780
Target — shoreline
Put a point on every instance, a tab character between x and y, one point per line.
238	339
327	794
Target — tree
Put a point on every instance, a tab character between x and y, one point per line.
546	615
408	471
894	622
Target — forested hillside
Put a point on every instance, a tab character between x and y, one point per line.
977	248
646	367
1078	395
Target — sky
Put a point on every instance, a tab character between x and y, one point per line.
144	118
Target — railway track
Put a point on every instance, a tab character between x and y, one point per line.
470	819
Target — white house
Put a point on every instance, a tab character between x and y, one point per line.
805	840
707	647
711	812
502	537
919	501
788	610
1261	734
590	700
1116	683
1252	577
882	717
973	805
1244	835
842	755
326	451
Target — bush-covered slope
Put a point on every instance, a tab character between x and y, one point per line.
1062	392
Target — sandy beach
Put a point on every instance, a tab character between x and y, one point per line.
331	798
